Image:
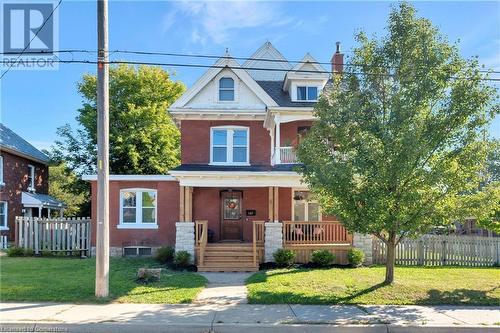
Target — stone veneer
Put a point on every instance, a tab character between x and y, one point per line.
184	237
364	243
273	239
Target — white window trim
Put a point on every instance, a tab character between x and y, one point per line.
306	209
307	93
31	186
1	171
227	89
226	74
229	145
140	224
6	218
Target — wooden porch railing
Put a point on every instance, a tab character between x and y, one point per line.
315	232
201	237
257	238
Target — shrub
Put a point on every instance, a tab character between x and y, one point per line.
165	254
355	257
182	258
15	251
322	258
284	258
28	252
46	253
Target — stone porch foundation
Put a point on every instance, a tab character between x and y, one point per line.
184	238
273	239
364	243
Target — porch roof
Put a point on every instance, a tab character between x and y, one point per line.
29	199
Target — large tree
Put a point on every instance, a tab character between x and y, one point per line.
143	138
398	136
66	186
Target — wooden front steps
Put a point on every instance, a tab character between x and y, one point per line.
228	257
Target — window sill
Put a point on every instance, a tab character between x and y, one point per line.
4	228
137	226
229	164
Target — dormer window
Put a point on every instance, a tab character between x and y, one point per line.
305	93
226	89
229	145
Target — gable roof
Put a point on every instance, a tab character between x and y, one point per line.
10	141
229	63
277	61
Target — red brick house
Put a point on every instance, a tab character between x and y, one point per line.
24	184
235	198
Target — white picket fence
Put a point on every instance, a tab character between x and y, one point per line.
3	242
55	235
442	250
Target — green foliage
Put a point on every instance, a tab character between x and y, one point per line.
15	251
143	137
284	258
66	186
322	258
47	253
28	252
182	258
394	148
355	257
165	254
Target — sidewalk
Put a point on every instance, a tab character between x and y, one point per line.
224	288
29	317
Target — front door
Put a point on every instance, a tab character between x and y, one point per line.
231	223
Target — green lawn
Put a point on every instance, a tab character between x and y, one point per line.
72	280
422	285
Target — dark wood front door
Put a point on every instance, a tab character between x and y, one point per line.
231	218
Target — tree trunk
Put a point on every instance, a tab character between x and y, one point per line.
390	260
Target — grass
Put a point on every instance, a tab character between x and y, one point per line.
72	280
414	285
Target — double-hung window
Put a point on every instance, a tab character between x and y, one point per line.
307	93
304	207
226	89
3	216
229	145
138	209
31	177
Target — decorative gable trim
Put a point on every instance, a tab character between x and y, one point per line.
222	63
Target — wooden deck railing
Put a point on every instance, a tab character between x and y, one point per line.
258	239
201	237
315	232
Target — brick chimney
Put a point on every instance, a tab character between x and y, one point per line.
337	60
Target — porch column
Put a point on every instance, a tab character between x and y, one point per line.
277	120
275	204
184	229
364	243
186	204
273	150
271	204
40	211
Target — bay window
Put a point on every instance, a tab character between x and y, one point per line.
138	209
229	145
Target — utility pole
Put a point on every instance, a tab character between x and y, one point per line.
102	237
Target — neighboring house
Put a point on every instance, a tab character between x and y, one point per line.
24	174
239	128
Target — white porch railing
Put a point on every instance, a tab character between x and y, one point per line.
284	155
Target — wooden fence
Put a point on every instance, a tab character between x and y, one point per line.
55	235
443	250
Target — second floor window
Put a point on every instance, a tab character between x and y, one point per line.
31	177
307	93
229	145
226	89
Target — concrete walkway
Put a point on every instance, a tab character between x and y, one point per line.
224	288
123	318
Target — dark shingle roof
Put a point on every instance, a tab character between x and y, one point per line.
252	168
12	141
282	98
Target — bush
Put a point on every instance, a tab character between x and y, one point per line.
165	254
46	253
28	252
355	257
182	258
322	258
15	251
284	258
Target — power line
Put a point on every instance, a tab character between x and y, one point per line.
129	62
209	56
34	36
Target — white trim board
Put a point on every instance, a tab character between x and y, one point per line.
132	177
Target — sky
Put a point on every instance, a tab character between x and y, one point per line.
34	103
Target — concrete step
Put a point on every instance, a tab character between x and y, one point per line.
205	268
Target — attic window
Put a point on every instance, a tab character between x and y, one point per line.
226	89
307	93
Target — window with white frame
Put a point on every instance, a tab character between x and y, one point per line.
226	89
229	145
3	215
307	93
138	208
304	207
1	170
31	177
